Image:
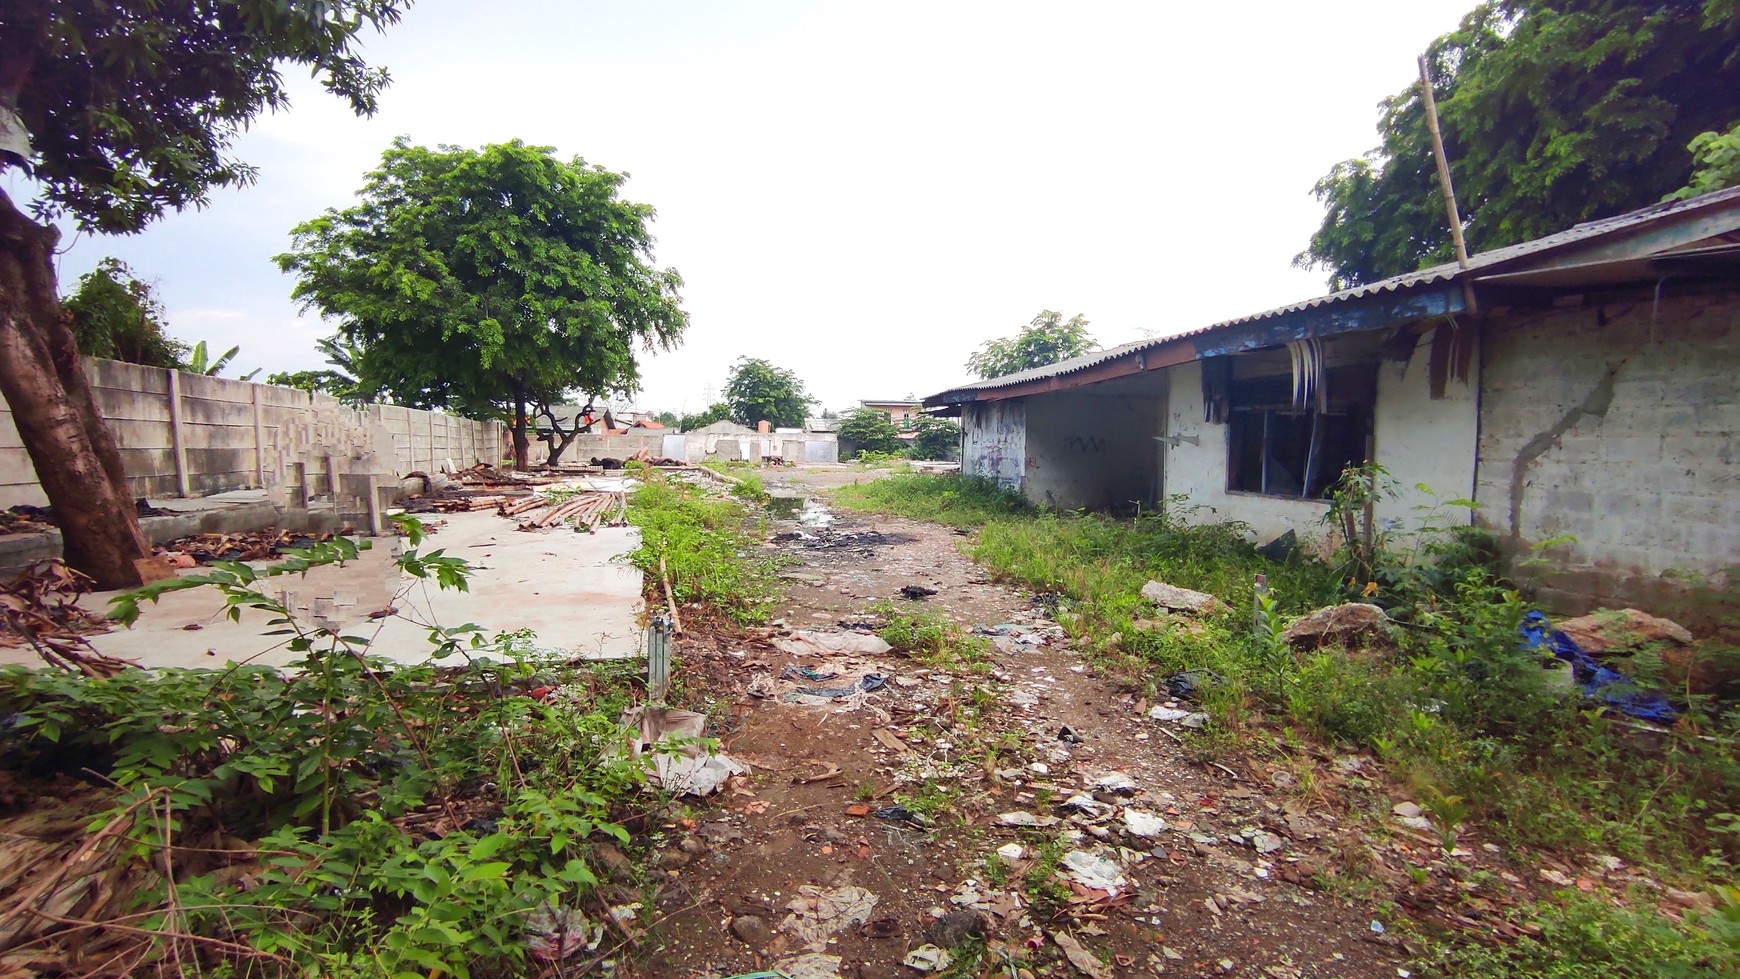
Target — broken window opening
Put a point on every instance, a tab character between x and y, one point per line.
1276	447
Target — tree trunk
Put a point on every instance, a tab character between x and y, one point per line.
55	410
522	446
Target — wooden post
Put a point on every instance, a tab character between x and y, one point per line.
1443	165
178	437
259	442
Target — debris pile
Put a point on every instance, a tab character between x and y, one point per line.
584	511
253	545
40	608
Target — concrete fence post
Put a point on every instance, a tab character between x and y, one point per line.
178	437
259	441
432	466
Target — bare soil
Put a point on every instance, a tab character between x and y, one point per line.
1201	899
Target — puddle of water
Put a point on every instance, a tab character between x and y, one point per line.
815	515
782	506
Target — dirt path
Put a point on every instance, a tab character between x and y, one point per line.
1220	890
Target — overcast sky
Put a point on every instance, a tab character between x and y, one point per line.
862	193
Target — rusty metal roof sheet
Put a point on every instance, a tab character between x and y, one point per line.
1448	272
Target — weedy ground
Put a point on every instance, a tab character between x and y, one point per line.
1457	711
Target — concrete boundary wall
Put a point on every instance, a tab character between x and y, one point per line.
188	435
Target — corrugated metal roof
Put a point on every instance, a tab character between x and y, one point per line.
1447	272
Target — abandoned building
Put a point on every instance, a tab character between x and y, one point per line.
1583	384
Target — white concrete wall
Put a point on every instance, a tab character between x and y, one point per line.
1094	451
1198	472
995	442
1424	441
219	435
1619	425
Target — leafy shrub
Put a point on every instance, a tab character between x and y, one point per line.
705	550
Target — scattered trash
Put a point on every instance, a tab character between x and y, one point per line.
1186	685
555	932
814	642
1068	735
673	738
865	684
955	928
1026	820
916	592
928	958
1143	824
1086	805
1117	783
818	914
1085	962
1599	682
1169	714
1281	548
813	965
1377	927
901	814
1093	870
1181	599
809	673
1011	852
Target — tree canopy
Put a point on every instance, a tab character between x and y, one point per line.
115	315
757	391
120	111
937	438
1046	340
1553	112
490	280
868	430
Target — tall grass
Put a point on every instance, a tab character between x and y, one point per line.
1449	700
709	555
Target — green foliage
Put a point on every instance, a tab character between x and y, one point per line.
668	419
487	280
119	317
131	115
1553	112
1450	700
1716	163
704	548
1046	340
868	430
932	638
937	438
200	361
340	381
961	501
323	770
750	487
757	391
1588	938
714	413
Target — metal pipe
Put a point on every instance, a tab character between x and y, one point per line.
658	658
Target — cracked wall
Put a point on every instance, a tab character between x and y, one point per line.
1620	426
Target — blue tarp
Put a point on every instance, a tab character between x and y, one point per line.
1598	682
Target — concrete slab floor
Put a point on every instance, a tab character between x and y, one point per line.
568	588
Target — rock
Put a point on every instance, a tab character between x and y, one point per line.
616	866
1695	900
1143	824
1011	852
691	844
1625	631
673	859
751	930
954	928
1266	842
1407	810
1181	599
1168	621
1336	625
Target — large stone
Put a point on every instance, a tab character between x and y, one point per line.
1336	624
1625	631
1180	599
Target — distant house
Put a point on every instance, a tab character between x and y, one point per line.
1584	384
904	414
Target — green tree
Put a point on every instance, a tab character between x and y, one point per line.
490	280
868	430
717	412
937	438
1553	112
200	361
668	419
1716	159
757	391
118	112
1046	340
114	315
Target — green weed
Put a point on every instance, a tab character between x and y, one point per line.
704	547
